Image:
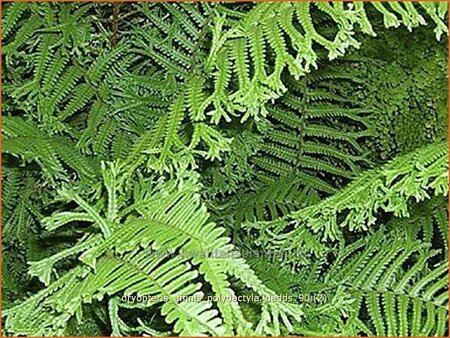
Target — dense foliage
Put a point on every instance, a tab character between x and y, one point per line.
284	165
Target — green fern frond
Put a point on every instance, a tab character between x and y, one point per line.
277	199
23	34
184	169
13	12
306	138
376	277
53	71
389	189
18	211
97	69
295	52
175	42
141	267
360	202
23	138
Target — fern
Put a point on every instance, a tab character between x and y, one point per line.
11	17
416	175
379	285
224	169
24	139
19	213
307	122
310	145
398	85
287	30
137	268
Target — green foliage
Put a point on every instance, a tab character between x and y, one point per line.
389	188
210	169
23	139
310	130
403	91
388	299
287	31
124	259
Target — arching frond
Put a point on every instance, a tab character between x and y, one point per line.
389	189
135	258
206	169
23	139
397	301
287	32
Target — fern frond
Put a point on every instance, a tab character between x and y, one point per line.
319	143
23	34
390	293
184	169
82	93
289	34
18	211
97	69
389	189
360	202
13	12
43	56
53	70
23	138
132	260
276	200
174	40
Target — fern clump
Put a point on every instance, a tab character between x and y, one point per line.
224	169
